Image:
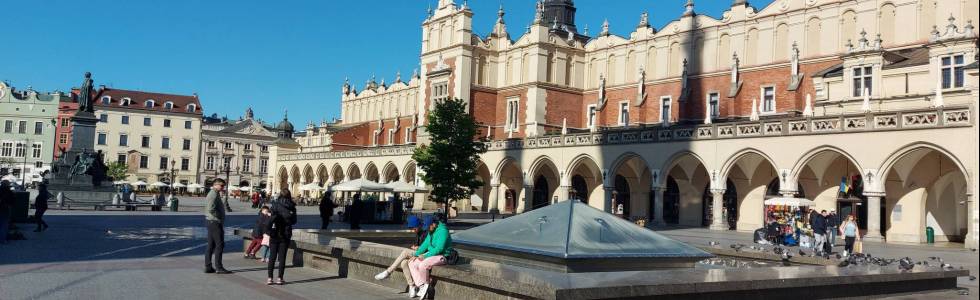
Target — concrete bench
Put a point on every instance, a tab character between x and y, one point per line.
153	207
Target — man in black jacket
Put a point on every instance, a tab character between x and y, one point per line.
818	222
326	209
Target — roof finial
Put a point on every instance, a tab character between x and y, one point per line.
585	31
398	76
689	8
554	23
605	28
539	13
644	20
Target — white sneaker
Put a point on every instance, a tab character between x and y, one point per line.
423	290
411	291
381	276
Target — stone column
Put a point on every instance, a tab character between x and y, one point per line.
526	192
607	199
874	216
494	194
717	205
562	192
658	206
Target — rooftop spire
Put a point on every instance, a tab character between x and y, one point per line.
605	28
500	29
563	10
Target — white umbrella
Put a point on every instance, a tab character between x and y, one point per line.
361	185
797	202
159	184
179	185
245	189
404	187
195	186
139	183
310	187
120	182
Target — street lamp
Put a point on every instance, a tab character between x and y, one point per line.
173	175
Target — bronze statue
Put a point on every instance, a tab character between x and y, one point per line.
85	94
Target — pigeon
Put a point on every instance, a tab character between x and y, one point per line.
802	253
108	232
785	256
838	256
843	264
946	266
713	243
973	278
905	264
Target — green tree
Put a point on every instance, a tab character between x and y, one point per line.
449	161
116	170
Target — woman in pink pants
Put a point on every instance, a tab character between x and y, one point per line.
432	252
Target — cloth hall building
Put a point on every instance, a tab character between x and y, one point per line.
695	122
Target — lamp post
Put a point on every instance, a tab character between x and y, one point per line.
173	175
23	167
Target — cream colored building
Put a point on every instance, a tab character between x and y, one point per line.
152	133
695	122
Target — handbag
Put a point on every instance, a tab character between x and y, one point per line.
265	240
452	257
858	246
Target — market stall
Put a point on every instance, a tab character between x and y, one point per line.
786	221
368	197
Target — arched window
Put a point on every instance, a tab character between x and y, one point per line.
782	44
150	103
168	105
848	28
724	51
751	47
813	46
126	101
886	23
192	108
106	100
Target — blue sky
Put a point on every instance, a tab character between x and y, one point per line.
270	55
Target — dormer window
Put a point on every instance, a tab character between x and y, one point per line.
953	71
125	102
168	105
106	100
192	108
149	103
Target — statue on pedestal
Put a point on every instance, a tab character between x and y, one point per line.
85	94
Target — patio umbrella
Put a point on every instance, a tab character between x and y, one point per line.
404	187
159	184
179	185
310	187
195	186
361	185
120	182
245	189
139	183
797	202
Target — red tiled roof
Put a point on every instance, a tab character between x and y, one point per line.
138	101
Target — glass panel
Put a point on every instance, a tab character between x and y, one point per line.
857	87
946	61
867	84
857	72
958	59
867	71
959	81
947	81
572	229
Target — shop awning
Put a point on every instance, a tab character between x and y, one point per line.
799	202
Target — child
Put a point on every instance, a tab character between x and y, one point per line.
258	232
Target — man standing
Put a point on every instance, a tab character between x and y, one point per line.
326	209
214	213
818	222
832	222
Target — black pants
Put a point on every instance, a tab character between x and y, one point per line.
277	252
216	244
849	244
325	222
39	218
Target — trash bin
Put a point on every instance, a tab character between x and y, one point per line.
174	204
930	235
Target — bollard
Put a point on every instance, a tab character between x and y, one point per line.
930	235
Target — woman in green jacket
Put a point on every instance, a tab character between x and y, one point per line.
432	252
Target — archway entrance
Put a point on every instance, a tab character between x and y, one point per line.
925	188
541	191
729	205
621	197
685	196
672	202
835	183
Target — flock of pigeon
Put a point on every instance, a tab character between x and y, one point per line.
856	259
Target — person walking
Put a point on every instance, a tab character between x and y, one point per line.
421	230
849	230
41	206
280	231
833	222
6	203
818	223
214	213
326	209
432	252
355	212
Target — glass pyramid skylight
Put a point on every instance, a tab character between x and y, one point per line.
572	229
